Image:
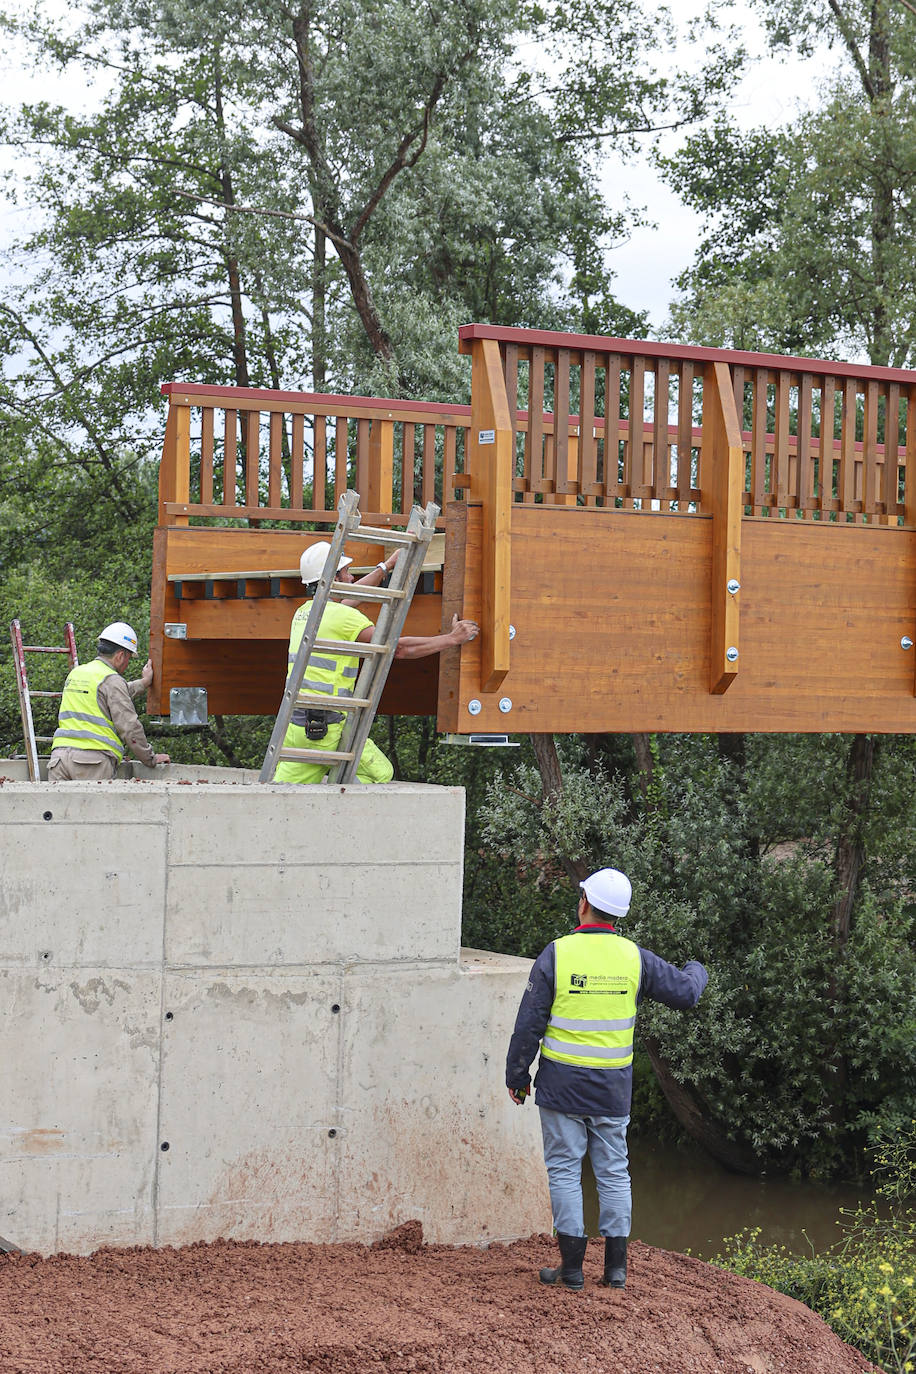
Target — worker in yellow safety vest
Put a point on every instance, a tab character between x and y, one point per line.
335	674
97	717
579	1008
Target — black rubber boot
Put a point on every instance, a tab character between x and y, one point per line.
572	1253
615	1262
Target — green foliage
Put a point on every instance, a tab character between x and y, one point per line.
865	1286
810	242
799	1049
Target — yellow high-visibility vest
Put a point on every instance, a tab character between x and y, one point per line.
594	1008
82	722
333	674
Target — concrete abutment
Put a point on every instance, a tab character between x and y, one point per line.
231	1010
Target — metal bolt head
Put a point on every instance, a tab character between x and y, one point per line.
512	631
731	653
906	642
733	585
474	707
505	705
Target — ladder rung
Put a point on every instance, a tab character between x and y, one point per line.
43	739
367	534
354	592
45	694
343	646
331	703
314	756
44	649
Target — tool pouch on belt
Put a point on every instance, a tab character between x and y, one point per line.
315	722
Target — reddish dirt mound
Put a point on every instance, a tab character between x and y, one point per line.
243	1308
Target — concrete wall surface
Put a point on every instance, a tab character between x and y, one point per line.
242	1011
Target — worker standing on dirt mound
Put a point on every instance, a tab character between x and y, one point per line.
97	715
335	674
580	1008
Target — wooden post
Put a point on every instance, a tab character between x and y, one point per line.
175	468
722	477
490	441
380	495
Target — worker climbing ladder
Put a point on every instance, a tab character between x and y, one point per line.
26	693
377	655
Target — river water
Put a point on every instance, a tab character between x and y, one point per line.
683	1200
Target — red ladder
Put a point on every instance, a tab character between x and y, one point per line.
25	693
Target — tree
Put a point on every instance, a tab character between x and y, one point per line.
752	1075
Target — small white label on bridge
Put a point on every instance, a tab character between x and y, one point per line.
486	436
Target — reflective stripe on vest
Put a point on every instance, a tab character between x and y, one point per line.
82	724
594	1006
326	673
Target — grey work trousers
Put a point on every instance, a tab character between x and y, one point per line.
81	765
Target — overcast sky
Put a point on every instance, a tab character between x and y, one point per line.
772	93
645	266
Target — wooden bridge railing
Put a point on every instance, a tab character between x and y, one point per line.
249	456
611	424
564	420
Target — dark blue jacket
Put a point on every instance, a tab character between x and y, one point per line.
571	1088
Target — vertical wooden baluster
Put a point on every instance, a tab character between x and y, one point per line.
206	456
341	458
909	473
588	449
635	427
362	459
550	450
803	446
297	463
890	471
827	451
319	460
661	465
780	473
252	457
230	458
275	460
847	473
869	470
449	463
534	441
380	466
759	442
428	483
685	434
564	483
612	485
408	464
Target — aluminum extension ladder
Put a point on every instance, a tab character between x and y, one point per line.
377	655
26	693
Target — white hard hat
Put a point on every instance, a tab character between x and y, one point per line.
608	890
120	634
311	564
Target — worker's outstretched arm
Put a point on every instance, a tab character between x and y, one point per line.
424	646
372	578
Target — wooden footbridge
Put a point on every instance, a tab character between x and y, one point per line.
652	537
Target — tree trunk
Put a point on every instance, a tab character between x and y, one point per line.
319	312
850	849
645	763
545	753
697	1120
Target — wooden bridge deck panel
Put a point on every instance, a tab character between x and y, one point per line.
612	618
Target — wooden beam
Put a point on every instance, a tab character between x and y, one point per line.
490	442
722	475
175	468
